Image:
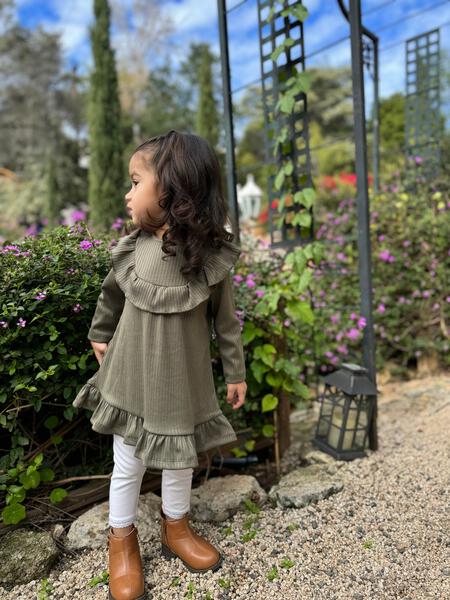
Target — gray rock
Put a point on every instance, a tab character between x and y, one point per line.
221	497
26	555
90	530
305	486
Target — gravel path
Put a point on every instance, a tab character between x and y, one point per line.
384	536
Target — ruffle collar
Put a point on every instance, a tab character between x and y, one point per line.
157	298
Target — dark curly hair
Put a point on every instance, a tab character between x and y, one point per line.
189	180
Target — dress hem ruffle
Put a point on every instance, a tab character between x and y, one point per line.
152	447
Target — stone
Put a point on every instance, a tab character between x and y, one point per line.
221	497
305	486
91	528
20	562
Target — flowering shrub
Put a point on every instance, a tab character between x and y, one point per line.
49	286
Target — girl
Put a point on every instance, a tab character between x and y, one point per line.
168	291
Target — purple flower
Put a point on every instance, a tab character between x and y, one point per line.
426	293
117	223
21	322
352	333
238	278
98	242
386	256
341	256
249	282
3	324
381	237
362	322
70	271
334	360
78	215
381	308
418	160
259	293
406	243
328	354
40	296
85	244
353	316
335	318
342	348
286	322
76	308
436	306
447	299
401	299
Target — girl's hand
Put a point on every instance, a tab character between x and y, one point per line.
99	350
236	394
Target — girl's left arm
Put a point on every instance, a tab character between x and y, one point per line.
228	331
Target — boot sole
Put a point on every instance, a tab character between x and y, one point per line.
168	554
143	597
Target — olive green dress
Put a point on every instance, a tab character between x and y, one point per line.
155	385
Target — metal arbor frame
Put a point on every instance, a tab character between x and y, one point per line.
364	250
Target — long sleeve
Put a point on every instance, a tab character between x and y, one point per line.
228	331
107	313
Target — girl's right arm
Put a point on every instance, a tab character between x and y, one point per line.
107	313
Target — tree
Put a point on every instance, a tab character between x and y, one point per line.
106	172
207	124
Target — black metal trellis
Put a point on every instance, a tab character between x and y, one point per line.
422	104
274	74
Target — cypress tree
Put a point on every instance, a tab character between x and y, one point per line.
207	116
106	172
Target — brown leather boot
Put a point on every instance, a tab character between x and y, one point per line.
126	577
178	539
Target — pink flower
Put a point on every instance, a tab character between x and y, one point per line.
259	293
362	322
85	244
353	334
249	282
381	237
237	278
353	316
21	322
286	322
335	318
381	308
3	324
76	308
386	256
426	293
40	296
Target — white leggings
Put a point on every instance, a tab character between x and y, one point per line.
125	486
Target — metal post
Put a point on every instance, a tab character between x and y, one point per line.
365	276
376	120
228	114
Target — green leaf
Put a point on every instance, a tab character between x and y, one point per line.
51	422
300	311
272	574
269	402
268	430
279	179
13	513
250	445
309	197
30	480
47	474
57	495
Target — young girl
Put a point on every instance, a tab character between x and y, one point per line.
168	292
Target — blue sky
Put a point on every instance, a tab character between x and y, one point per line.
196	20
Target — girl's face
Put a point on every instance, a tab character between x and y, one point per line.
143	194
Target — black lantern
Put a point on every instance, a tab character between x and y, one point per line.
345	412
